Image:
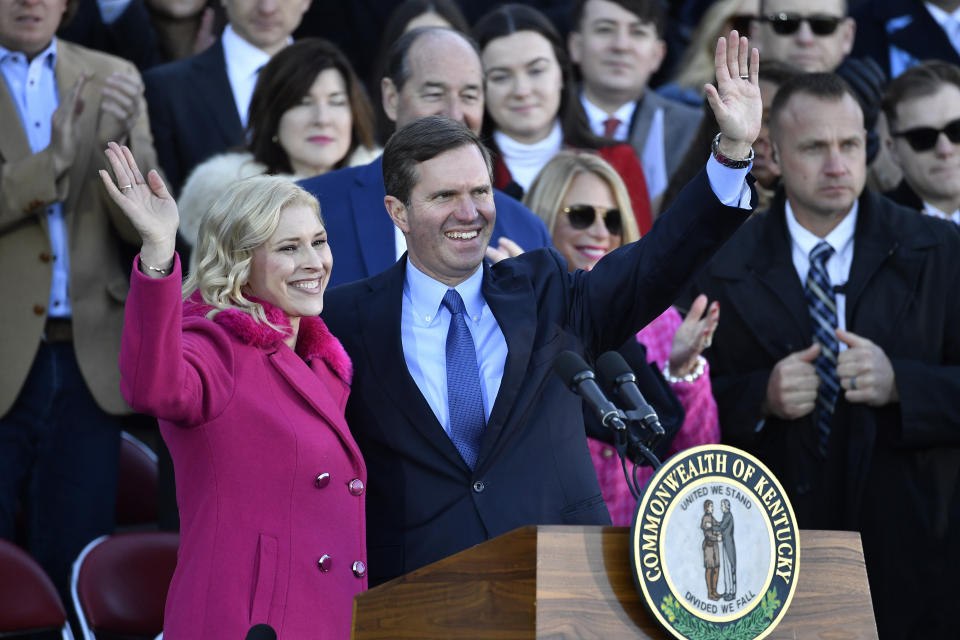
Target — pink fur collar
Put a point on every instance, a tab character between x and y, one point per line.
313	341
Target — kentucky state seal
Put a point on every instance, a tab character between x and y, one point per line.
715	546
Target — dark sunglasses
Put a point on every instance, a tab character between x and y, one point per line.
741	23
786	24
582	216
925	138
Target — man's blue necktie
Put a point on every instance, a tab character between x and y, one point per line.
464	398
823	313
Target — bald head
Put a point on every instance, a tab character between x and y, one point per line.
434	71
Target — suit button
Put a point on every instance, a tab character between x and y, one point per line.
39	309
325	562
359	569
322	480
478	486
607	453
45	257
356	486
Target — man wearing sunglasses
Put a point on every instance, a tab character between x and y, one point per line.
838	359
923	108
814	35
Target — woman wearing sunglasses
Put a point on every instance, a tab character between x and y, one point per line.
532	108
585	205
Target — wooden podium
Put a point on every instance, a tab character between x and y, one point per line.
576	582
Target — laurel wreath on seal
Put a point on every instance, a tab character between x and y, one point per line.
748	627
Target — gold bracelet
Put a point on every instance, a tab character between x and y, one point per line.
690	377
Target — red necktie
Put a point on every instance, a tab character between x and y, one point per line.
610	127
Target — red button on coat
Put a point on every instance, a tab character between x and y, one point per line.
356	486
322	480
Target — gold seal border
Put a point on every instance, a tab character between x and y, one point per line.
635	558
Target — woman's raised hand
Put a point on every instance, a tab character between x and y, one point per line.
147	203
694	335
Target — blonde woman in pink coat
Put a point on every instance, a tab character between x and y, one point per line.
249	388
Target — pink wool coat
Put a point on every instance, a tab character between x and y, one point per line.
269	479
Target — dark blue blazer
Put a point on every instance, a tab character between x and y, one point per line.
904	24
192	112
423	502
361	232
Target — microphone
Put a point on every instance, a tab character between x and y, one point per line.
261	632
580	379
616	374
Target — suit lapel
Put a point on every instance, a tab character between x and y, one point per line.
512	303
769	296
924	35
13	142
306	382
212	88
374	228
380	333
69	68
875	243
640	124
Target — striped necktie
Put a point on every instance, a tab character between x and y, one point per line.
823	313
464	398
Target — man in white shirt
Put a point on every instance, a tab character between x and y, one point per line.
923	108
836	362
618	45
63	274
198	106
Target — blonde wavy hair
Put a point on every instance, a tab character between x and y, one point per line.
546	194
239	221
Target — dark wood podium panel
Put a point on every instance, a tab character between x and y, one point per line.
576	582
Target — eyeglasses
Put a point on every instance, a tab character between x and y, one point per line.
785	24
582	216
925	138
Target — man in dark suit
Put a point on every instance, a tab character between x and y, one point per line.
444	475
923	108
860	422
198	106
430	71
900	33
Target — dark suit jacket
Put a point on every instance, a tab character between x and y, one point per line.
192	112
362	234
534	467
914	31
892	471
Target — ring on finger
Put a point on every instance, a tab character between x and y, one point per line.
126	186
744	76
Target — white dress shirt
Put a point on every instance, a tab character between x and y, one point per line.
931	210
243	64
33	89
837	265
598	116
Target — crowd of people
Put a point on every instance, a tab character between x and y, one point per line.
343	311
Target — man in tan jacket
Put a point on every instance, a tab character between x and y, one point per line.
64	266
